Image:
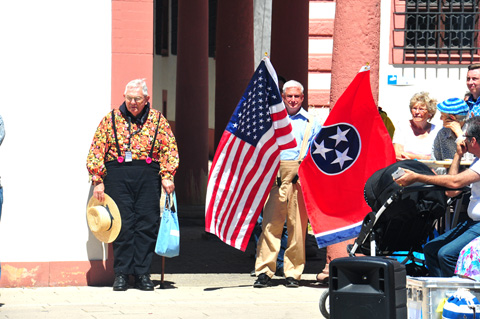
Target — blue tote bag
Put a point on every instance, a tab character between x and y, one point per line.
168	240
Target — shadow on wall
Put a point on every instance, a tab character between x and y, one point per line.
100	256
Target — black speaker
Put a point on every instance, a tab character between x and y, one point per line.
367	288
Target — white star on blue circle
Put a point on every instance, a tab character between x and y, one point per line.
336	148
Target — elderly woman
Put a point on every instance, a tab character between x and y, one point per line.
454	113
415	139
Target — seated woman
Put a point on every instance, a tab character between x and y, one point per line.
414	140
454	113
468	264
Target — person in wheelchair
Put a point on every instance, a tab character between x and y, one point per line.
441	253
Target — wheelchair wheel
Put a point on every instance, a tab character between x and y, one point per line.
324	304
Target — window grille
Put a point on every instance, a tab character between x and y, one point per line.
437	31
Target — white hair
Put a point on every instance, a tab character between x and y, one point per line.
292	84
137	83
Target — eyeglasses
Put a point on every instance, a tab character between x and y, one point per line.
467	136
419	109
137	99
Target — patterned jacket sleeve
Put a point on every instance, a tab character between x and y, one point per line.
168	151
98	148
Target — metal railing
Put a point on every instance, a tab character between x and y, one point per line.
445	31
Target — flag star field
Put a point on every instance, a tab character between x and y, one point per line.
252	118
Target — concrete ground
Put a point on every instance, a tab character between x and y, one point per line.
208	280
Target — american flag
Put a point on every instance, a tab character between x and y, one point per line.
247	159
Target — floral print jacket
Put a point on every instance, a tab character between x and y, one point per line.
104	147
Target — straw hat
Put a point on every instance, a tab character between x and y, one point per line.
104	219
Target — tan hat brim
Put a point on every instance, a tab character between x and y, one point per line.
111	234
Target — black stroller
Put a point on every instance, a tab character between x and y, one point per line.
402	219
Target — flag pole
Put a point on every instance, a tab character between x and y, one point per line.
366	67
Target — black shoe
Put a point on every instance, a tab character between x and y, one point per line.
252	273
143	282
291	283
120	283
262	281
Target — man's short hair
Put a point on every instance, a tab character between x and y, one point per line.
137	83
292	84
474	66
473	127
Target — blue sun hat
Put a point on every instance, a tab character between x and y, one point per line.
453	106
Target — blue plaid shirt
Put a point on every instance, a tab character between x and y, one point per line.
473	107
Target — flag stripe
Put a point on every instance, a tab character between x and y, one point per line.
338	235
283	134
279	116
227	201
241	189
220	191
230	223
282	126
217	172
255	178
246	222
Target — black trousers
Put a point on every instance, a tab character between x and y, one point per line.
135	188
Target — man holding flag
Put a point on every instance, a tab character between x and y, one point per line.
247	159
352	145
286	201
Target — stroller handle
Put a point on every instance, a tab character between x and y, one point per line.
415	188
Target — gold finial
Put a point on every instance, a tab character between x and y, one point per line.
266	53
367	63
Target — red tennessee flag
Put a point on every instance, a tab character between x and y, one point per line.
247	159
350	147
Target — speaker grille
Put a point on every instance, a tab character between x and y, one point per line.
367	287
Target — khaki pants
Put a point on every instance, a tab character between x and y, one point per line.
285	203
